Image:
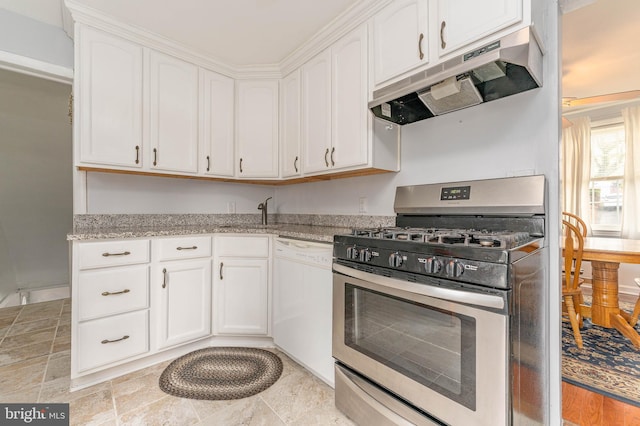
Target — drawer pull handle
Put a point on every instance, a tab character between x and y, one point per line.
155	156
107	293
443	44
420	52
208	163
326	153
187	248
105	341
221	264
124	253
164	278
333	151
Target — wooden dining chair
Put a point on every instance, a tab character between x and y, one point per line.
576	221
571	292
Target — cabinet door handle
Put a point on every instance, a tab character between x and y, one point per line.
187	248
208	163
221	264
295	164
137	154
420	46
108	293
241	165
155	157
443	43
164	278
326	153
124	253
333	151
105	341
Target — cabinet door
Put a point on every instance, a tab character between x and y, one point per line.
316	113
109	99
462	22
216	135
349	101
241	295
184	290
400	39
290	134
173	114
257	128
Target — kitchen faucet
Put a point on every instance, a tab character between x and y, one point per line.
263	207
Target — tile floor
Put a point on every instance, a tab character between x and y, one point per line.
35	343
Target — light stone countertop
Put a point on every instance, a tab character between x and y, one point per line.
319	228
303	232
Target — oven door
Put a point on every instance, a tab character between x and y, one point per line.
443	350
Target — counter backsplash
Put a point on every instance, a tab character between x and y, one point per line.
82	222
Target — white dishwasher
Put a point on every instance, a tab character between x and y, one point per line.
302	304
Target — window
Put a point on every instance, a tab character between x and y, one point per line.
607	170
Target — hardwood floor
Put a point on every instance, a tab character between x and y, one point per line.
584	408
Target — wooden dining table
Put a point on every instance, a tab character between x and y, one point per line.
606	255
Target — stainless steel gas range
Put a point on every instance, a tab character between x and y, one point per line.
442	318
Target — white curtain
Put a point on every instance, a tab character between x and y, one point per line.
631	185
576	167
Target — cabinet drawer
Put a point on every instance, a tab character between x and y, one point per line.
242	246
111	291
105	341
112	253
183	248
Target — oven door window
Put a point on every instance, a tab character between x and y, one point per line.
434	347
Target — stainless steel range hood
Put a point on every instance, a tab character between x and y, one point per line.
505	67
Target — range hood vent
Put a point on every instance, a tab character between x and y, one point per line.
505	67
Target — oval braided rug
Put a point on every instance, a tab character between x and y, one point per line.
221	373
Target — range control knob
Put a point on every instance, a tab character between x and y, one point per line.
454	268
365	255
352	253
433	265
395	260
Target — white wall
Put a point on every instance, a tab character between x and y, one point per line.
35	181
117	193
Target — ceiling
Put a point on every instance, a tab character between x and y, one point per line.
600	54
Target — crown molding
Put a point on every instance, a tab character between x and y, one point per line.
90	16
356	15
346	22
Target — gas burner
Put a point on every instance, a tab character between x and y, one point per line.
463	237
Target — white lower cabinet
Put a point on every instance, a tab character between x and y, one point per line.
110	297
241	285
108	340
183	302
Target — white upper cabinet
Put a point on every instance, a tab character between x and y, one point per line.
462	22
257	128
349	119
316	112
290	162
335	126
400	39
173	114
108	86
216	124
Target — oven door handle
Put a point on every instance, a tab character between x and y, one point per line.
451	295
